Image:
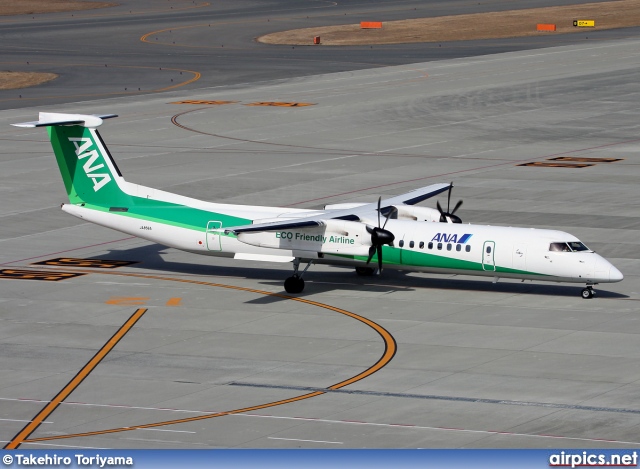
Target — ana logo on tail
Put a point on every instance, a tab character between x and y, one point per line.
82	151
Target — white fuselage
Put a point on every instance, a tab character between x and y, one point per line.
503	252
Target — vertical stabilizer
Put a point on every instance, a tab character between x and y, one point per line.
89	173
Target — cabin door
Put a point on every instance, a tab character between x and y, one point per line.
213	238
488	251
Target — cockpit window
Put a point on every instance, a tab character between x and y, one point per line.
571	246
577	246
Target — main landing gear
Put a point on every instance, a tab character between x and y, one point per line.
295	283
365	271
588	292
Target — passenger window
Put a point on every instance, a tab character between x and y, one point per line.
401	243
458	247
467	248
488	249
421	244
439	246
430	245
411	244
449	247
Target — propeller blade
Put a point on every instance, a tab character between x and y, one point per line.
448	216
456	207
379	235
443	218
389	213
372	251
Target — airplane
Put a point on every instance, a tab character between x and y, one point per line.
410	238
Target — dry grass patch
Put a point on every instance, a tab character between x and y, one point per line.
514	23
31	7
14	80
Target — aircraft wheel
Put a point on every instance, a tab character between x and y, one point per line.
365	271
294	285
587	293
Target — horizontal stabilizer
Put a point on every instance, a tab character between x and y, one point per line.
47	119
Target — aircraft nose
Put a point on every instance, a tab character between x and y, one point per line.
615	275
606	272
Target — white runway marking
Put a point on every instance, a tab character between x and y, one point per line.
61	446
161	430
339	422
15	420
309	441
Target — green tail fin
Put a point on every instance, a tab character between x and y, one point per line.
88	171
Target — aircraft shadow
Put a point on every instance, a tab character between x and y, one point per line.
340	278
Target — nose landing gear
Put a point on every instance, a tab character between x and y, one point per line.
295	283
588	292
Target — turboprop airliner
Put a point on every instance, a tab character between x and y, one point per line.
394	233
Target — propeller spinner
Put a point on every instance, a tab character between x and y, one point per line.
449	217
379	237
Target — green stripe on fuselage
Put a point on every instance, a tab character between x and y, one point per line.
398	256
171	214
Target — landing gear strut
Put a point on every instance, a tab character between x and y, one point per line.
588	292
295	283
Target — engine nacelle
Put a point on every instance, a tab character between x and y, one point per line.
336	237
409	212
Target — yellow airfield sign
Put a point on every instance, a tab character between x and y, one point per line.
584	23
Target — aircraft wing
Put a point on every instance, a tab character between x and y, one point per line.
413	197
351	214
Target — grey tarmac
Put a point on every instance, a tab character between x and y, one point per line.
478	364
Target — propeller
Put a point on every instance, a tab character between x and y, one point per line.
379	237
446	216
